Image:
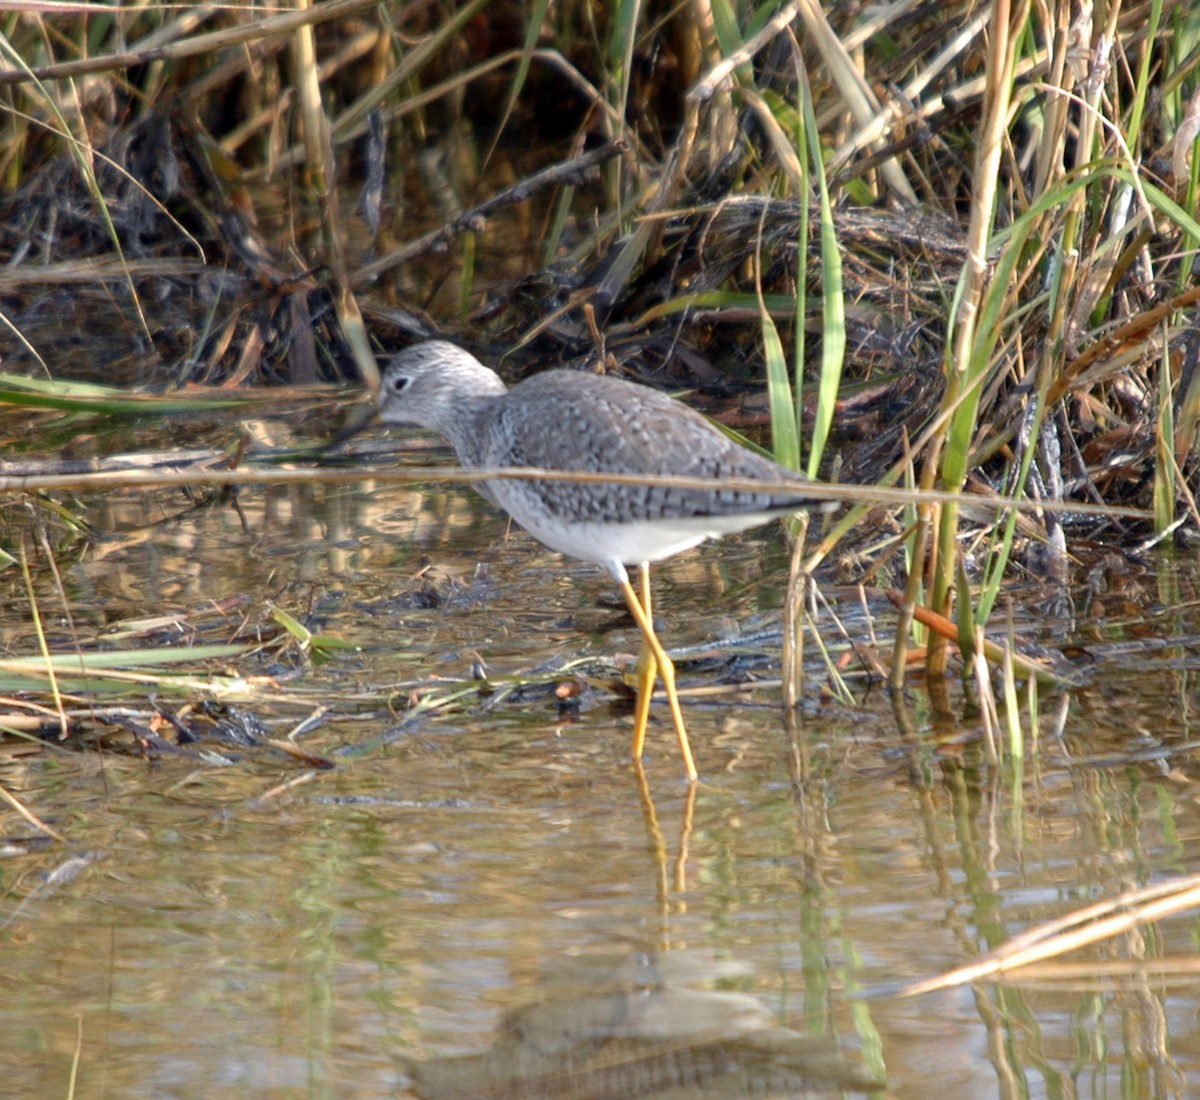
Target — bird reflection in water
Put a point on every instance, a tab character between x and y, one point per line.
639	1028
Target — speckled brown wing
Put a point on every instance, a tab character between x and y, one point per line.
588	422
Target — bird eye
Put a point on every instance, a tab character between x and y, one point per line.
397	383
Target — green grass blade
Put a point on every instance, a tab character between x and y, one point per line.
785	440
32	394
833	307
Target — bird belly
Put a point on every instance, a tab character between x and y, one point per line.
637	541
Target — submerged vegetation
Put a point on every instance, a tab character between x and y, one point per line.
954	243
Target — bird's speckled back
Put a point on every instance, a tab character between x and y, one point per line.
568	420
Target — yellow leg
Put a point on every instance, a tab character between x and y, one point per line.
656	661
647	669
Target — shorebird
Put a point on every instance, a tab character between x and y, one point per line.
574	421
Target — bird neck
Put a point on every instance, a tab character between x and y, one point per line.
466	430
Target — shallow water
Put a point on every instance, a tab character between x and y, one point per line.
485	890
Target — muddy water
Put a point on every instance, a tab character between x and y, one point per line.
483	900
